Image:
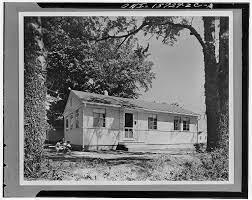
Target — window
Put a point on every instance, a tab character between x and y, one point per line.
77	119
152	122
99	120
186	123
66	123
71	121
177	124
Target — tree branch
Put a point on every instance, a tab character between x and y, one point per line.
122	36
189	27
122	42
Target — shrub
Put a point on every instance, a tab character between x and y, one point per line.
216	165
200	147
161	160
191	170
210	166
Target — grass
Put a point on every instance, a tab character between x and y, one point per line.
126	166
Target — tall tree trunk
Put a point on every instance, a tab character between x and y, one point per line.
222	80
211	93
223	63
34	95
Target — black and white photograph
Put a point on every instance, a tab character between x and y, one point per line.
141	98
125	100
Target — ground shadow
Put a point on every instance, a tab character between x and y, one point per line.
107	161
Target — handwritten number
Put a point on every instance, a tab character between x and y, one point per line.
188	5
125	5
166	5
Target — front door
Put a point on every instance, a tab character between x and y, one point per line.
128	129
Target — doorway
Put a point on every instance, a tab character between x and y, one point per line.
128	128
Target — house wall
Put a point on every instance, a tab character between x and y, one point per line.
102	137
114	130
202	137
165	133
74	135
108	137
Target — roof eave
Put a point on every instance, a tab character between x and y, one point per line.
138	108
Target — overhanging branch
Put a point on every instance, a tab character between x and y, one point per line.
186	26
122	36
190	28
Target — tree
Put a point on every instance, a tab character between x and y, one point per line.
168	28
34	95
222	80
211	92
223	63
76	62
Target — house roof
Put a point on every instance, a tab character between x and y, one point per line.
131	103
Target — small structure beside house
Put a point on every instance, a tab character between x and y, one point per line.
102	122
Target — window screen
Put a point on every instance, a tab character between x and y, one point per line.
99	120
177	124
186	123
152	122
77	119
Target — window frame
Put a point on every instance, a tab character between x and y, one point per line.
77	115
186	126
177	121
71	121
101	116
67	123
152	122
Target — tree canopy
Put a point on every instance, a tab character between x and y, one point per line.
168	28
77	61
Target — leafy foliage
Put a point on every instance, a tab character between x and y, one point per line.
34	96
216	74
200	147
162	29
147	167
212	166
75	61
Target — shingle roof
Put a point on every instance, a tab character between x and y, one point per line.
131	103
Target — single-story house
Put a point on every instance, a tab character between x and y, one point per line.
100	122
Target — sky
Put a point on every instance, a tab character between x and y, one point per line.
179	72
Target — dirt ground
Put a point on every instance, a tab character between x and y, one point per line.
113	166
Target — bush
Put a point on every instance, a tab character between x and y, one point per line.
211	166
216	165
200	147
190	171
